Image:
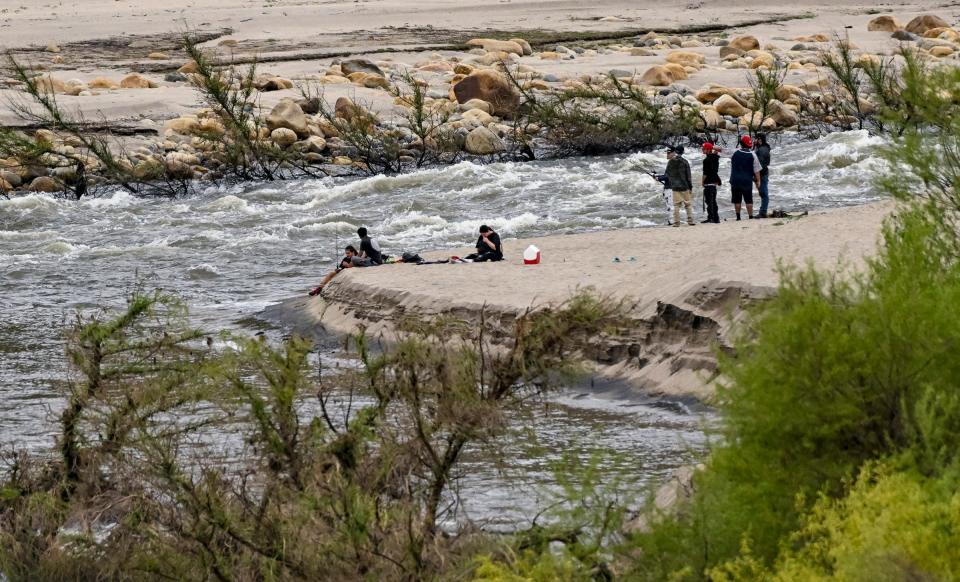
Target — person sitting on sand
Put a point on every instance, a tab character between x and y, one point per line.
489	247
349	260
369	250
744	173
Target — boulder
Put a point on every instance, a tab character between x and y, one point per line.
492	87
333	80
941	51
189	68
375	82
477	117
904	36
103	83
360	66
686	58
762	59
728	51
884	24
678	72
481	141
287	114
45	184
745	43
712	119
342	161
712	92
5	186
315	144
149	169
436	67
346	109
462	69
783	115
53	48
51	85
925	22
283	137
727	105
137	81
658	76
476	104
11	178
175	78
158	56
183	125
524	45
310	106
642	52
498	46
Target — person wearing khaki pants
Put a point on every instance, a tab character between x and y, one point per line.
678	173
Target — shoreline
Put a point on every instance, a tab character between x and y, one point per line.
683	299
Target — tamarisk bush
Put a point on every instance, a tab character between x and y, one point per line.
196	457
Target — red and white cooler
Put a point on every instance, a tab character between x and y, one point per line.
531	256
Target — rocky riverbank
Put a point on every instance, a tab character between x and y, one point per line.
474	98
685	289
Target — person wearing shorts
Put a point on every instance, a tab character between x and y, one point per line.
744	174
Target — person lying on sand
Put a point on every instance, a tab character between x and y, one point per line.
351	258
488	246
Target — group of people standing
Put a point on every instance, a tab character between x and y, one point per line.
749	167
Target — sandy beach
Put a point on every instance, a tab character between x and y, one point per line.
685	287
105	38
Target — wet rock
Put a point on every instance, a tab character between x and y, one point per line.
884	24
45	184
11	178
925	22
360	66
481	141
175	78
745	43
137	81
492	87
287	114
658	76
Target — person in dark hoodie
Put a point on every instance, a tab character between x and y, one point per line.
667	195
744	173
762	150
681	181
711	180
369	250
489	247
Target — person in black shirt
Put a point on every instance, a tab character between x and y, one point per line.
349	261
369	250
489	247
711	179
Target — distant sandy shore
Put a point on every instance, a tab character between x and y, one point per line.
687	287
110	38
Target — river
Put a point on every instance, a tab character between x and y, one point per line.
231	252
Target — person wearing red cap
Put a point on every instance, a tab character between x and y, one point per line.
711	180
744	174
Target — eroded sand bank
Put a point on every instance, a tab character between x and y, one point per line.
686	287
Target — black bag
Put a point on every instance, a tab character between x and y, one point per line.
410	258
